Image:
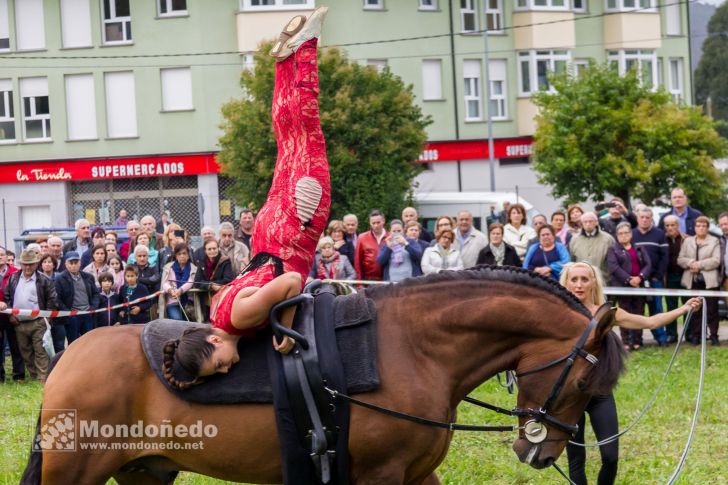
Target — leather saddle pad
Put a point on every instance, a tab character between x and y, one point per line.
249	381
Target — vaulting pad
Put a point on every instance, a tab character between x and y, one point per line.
249	380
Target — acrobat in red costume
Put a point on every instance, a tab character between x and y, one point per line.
289	225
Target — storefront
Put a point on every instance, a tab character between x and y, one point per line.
55	193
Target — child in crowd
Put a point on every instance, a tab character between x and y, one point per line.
109	298
131	291
116	268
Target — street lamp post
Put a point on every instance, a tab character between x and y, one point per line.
491	158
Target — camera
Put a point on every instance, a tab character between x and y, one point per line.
605	205
178	233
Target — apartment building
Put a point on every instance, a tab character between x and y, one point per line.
110	104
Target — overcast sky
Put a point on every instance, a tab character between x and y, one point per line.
714	2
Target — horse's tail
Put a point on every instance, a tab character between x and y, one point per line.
34	469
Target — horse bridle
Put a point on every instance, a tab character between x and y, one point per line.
535	430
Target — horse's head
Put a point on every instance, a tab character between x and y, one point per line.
553	395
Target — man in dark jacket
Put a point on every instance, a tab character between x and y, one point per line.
617	213
82	242
685	214
76	291
674	273
653	240
6	328
148	275
30	289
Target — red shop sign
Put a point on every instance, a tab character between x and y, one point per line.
441	151
108	168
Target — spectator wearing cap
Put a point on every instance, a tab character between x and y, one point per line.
686	215
132	229
29	289
591	244
76	290
235	251
82	242
7	330
469	240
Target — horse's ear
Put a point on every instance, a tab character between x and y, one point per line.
605	321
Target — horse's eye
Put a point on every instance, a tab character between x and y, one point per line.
581	385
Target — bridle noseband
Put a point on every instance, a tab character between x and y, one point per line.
534	429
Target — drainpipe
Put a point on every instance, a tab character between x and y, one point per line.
455	90
690	54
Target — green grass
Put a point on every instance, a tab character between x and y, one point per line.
648	453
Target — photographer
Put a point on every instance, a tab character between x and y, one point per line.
618	213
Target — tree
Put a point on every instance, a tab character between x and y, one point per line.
374	132
712	72
602	133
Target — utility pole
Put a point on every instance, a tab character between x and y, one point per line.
491	158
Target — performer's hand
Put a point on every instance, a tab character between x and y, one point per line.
3	306
285	346
692	304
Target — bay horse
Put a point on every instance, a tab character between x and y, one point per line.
439	337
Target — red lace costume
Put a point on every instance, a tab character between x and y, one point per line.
294	216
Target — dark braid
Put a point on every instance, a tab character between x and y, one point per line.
263	258
186	355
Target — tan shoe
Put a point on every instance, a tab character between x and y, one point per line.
292	28
311	30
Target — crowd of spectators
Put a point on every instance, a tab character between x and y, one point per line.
95	270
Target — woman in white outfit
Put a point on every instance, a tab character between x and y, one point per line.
516	232
443	255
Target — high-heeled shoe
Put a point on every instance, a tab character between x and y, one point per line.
311	29
293	27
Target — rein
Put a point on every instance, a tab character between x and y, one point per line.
535	430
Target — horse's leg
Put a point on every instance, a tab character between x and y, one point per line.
81	468
431	480
140	478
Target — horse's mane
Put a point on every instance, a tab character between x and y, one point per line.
485	273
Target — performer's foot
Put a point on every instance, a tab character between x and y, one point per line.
311	30
292	28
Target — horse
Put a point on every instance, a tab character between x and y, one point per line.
439	336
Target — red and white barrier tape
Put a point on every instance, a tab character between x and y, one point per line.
71	313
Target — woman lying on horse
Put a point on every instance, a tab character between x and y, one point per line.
288	226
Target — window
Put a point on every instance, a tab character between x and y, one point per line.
431	79
644	61
660	79
29	25
4	26
580	66
428	4
676	79
498	105
378	64
579	5
172	8
627	5
249	61
494	15
76	23
672	18
468	19
120	104
176	89
36	111
373	4
276	4
534	68
7	113
473	105
117	22
81	107
542	5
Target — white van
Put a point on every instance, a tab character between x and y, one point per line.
431	205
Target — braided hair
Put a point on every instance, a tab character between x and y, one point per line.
183	357
263	258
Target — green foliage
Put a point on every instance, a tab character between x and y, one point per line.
606	134
373	131
712	72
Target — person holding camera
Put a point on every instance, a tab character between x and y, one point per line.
618	213
399	257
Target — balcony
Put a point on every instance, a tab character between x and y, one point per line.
632	30
559	35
